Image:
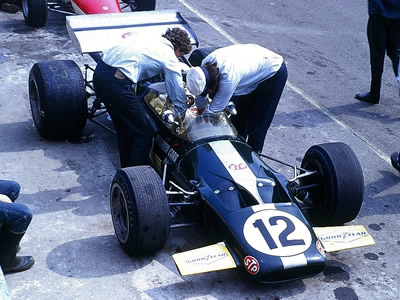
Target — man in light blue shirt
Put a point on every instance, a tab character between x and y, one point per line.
139	58
252	76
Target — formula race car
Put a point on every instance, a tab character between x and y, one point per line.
202	171
35	11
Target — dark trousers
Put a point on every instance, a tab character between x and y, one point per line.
383	37
15	217
134	130
256	110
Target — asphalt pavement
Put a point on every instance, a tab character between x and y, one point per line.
66	184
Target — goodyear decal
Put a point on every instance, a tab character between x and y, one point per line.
343	237
206	259
236	167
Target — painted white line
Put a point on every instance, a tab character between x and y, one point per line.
209	22
295	89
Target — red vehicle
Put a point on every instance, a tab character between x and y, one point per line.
35	11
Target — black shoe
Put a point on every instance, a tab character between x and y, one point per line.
395	160
366	97
9	261
17	264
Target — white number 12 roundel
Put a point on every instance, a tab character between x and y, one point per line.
276	233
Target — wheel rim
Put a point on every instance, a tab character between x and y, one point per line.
319	203
119	212
25	8
35	102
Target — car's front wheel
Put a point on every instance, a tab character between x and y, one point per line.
337	188
139	210
35	12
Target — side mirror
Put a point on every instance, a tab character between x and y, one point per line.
231	109
168	116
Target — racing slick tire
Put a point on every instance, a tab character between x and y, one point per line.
35	12
339	193
139	210
58	99
143	5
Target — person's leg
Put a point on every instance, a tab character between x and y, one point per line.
393	44
15	216
15	219
243	105
10	189
377	36
128	114
134	129
267	96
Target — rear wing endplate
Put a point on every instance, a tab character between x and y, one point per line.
95	33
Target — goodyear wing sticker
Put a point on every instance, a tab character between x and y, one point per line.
343	237
206	259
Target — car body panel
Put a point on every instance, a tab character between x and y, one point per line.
261	223
95	7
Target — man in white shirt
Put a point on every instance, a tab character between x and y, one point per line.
139	58
251	76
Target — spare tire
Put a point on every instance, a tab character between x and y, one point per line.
58	99
339	191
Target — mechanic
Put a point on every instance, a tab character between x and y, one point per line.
251	76
383	32
14	221
139	58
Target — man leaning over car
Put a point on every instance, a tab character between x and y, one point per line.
140	57
251	76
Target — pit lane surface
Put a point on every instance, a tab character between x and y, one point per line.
67	185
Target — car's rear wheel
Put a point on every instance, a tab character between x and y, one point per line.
35	12
58	99
143	5
139	210
339	191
